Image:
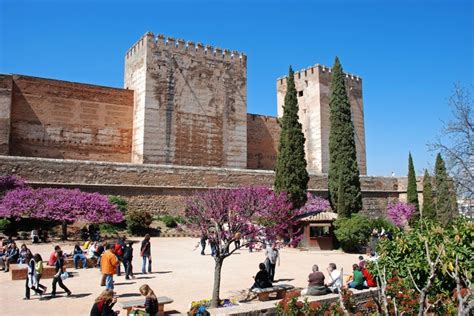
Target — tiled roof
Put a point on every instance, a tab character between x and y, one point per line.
321	217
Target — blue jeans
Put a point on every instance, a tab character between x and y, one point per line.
145	259
81	257
109	281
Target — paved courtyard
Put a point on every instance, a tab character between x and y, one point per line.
179	272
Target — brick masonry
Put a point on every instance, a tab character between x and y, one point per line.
191	106
163	188
59	119
262	141
313	88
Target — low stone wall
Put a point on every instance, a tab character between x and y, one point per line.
163	188
269	307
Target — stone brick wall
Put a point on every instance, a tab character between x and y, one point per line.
59	119
191	103
162	188
313	88
263	134
5	112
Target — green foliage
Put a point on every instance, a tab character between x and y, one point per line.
120	202
342	150
108	229
4	224
407	251
446	205
290	171
353	232
138	222
412	192
384	223
429	211
170	220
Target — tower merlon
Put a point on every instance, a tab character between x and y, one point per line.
312	70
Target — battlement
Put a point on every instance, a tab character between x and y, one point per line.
266	118
163	42
312	70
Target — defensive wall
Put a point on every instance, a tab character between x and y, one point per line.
162	188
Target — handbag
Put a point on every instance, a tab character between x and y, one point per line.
64	276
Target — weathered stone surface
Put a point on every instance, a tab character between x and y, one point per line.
263	134
163	188
190	103
313	87
59	119
5	112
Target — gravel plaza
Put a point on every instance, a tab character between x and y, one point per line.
179	272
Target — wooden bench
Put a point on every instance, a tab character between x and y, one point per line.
162	300
20	271
279	289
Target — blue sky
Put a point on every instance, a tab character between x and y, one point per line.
409	53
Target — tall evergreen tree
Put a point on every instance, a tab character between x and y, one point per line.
429	211
412	192
342	149
290	171
446	205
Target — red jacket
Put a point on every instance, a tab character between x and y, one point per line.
369	278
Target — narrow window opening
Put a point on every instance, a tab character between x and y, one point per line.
300	93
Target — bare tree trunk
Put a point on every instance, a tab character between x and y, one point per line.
64	230
217	282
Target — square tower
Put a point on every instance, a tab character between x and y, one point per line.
190	104
313	88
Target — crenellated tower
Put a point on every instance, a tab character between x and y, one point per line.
190	104
313	86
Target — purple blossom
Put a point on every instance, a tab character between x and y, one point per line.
400	213
59	205
10	182
315	204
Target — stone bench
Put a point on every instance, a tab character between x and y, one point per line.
128	305
20	271
279	289
69	263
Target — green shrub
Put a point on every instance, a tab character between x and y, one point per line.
4	225
138	222
170	220
108	229
120	202
406	251
384	223
353	232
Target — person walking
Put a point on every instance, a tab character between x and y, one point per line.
108	266
127	260
39	271
31	282
145	252
272	257
57	279
203	243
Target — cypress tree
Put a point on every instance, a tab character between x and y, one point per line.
446	206
342	149
342	207
290	171
412	192
428	207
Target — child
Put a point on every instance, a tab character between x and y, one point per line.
151	302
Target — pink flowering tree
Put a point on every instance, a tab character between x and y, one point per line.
256	215
314	205
10	182
63	205
400	213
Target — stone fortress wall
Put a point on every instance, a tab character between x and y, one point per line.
180	125
313	86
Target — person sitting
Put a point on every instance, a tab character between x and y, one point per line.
54	256
11	256
34	236
262	279
362	263
103	304
373	256
315	283
151	302
78	254
369	278
23	254
357	280
336	280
